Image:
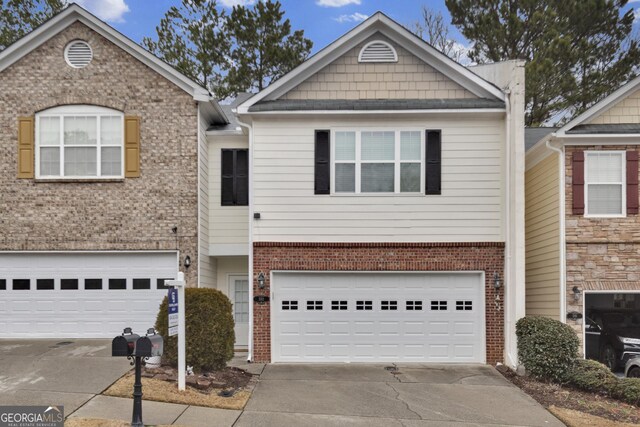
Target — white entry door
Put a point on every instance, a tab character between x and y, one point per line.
81	294
239	290
378	317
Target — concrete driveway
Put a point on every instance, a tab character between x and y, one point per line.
371	396
56	372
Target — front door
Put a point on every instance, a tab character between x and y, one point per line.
239	292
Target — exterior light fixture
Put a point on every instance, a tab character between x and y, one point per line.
576	293
187	261
496	281
261	280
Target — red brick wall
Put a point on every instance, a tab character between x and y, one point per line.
486	256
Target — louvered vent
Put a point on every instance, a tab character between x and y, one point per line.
78	54
378	51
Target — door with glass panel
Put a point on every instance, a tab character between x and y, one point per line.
239	293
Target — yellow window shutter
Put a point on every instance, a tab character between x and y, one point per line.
25	147
132	147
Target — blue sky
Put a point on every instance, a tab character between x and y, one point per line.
322	20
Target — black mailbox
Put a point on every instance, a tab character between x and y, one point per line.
123	345
150	345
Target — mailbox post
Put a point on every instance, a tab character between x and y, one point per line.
139	349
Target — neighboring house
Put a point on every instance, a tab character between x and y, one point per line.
104	181
384	215
582	224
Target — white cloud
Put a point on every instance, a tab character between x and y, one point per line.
336	3
636	14
354	17
231	3
107	10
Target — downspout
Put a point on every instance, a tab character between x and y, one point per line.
198	245
563	246
250	219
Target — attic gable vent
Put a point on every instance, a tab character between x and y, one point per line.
378	51
78	54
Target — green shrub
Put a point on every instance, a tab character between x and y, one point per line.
592	376
547	348
209	329
627	390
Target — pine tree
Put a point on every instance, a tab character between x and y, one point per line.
191	38
19	17
577	51
264	48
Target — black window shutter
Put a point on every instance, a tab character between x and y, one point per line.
433	162
235	178
322	163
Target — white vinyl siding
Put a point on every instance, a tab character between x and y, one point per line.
604	174
470	207
206	264
229	225
542	224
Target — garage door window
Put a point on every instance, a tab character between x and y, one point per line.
438	305
93	284
414	305
141	283
21	284
69	284
117	284
314	305
364	305
3	284
464	305
289	305
44	284
389	305
339	305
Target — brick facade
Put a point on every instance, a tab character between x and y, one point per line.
487	257
131	214
601	253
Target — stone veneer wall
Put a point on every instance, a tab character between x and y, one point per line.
602	253
132	214
486	256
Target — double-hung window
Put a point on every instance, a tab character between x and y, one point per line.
385	161
79	142
605	183
235	177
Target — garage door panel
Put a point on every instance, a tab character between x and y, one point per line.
77	312
369	317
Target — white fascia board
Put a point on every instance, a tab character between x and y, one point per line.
601	106
378	22
238	131
538	152
600	139
76	13
365	112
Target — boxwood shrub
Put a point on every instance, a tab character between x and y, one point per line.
589	375
627	390
209	330
547	348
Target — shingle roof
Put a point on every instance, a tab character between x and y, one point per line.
533	135
606	128
374	104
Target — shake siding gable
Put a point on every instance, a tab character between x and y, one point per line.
468	210
626	110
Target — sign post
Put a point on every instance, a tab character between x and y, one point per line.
177	324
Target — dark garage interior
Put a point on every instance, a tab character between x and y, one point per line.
612	327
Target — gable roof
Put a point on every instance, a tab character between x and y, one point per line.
75	13
599	108
378	22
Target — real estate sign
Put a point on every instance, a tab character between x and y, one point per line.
173	311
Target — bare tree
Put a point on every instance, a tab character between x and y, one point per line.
436	31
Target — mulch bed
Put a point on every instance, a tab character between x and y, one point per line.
548	394
227	378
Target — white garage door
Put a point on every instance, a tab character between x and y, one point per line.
378	317
81	295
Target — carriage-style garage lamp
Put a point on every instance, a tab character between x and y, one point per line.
576	293
496	281
261	280
187	261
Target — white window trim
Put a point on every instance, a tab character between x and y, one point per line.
75	111
397	162
623	184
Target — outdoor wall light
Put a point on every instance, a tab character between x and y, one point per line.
261	280
496	281
187	261
576	293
